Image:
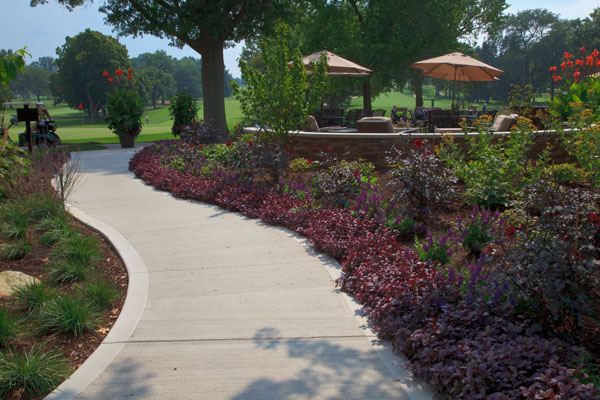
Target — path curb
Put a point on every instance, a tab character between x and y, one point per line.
135	302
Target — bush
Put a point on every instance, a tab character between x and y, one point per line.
183	110
478	230
567	174
14	220
77	250
419	178
437	250
301	165
339	184
15	250
36	372
66	314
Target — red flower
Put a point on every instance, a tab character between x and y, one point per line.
191	145
562	66
589	60
510	232
105	74
328	149
579	62
553	68
200	146
110	79
582	49
567	55
595	53
418	143
228	144
129	76
250	143
130	70
287	149
597	63
356	173
595	219
576	74
570	64
557	78
119	72
309	161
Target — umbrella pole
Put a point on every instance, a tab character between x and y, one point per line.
454	87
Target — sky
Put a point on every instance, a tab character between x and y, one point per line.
44	28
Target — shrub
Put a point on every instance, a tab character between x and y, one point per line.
437	250
8	328
99	293
77	250
66	314
583	142
301	165
14	220
183	110
55	229
340	183
124	104
419	178
202	133
492	169
65	271
36	372
32	296
567	174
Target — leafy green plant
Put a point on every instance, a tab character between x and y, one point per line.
8	327
301	165
280	98
55	229
14	250
35	371
437	250
32	296
491	168
66	314
567	174
124	104
183	110
99	292
65	271
14	220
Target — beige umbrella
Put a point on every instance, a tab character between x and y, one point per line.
457	67
336	66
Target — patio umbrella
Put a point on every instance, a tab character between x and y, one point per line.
336	66
457	67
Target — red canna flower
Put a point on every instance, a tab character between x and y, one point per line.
557	78
553	68
563	65
567	55
418	143
119	72
130	70
570	64
597	63
579	62
589	60
110	79
129	76
105	74
576	74
595	53
228	144
582	49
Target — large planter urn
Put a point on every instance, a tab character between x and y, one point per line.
127	140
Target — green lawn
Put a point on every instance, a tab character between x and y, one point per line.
75	127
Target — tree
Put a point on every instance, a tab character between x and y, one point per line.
46	62
207	27
156	84
188	76
33	80
81	61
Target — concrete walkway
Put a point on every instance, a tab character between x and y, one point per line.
221	306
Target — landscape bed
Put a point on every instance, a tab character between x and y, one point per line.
486	304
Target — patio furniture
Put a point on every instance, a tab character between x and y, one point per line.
378	113
375	125
351	118
333	117
442	119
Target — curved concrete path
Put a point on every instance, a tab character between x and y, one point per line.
221	306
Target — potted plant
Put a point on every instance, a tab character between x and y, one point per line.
124	107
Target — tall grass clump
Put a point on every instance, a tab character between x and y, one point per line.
14	220
36	372
68	315
99	292
32	296
14	250
9	328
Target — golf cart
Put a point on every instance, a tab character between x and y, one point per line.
43	128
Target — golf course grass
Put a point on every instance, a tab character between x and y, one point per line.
74	126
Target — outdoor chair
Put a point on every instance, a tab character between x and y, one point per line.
351	118
443	119
378	113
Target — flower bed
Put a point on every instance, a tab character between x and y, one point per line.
483	324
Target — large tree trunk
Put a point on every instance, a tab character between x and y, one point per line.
416	83
367	94
213	91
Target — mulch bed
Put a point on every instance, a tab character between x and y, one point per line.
75	349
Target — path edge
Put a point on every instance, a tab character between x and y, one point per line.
133	308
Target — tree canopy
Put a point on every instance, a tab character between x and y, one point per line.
81	61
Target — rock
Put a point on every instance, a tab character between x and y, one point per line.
9	280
